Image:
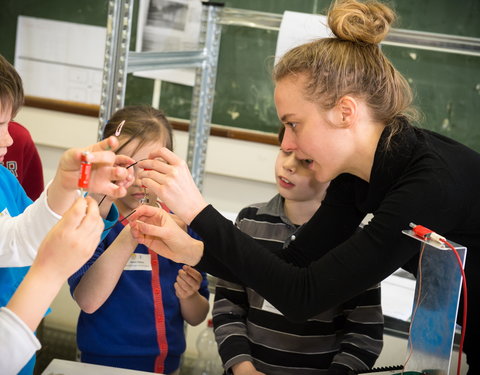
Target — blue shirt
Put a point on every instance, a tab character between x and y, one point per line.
140	325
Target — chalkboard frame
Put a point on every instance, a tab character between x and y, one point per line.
181	125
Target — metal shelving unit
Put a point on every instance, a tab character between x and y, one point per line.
119	61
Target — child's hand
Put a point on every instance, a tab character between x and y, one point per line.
188	282
245	368
72	241
127	163
103	170
105	201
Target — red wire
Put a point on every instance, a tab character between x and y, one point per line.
465	304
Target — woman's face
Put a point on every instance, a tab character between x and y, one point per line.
307	131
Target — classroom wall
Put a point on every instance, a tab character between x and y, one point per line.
237	173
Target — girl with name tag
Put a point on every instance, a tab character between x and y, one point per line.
134	302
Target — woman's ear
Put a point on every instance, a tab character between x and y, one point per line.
345	112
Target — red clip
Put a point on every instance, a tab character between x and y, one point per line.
421	231
85	170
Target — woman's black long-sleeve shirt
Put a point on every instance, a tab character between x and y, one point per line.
421	177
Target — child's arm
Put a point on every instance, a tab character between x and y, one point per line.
101	278
21	235
230	311
193	305
67	246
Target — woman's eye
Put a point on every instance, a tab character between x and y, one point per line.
306	162
293	125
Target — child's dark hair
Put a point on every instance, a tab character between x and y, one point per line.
142	122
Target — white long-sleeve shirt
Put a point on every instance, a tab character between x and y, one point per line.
20	236
17	343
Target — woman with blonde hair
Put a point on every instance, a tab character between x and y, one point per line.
347	108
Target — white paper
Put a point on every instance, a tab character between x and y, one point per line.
64	367
60	60
299	28
397	297
169	25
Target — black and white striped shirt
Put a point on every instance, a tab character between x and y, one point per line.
249	328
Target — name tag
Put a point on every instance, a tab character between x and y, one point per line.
5	213
267	306
138	262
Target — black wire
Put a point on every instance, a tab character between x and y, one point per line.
99	203
131	165
126	217
101	200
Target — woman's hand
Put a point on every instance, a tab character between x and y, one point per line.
169	178
155	228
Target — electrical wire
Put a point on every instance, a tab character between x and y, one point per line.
131	165
126	217
99	203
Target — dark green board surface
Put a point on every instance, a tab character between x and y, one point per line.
447	86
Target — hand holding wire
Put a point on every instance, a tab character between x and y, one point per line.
169	178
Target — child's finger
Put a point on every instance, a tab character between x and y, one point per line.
91	222
192	272
106	157
75	214
110	143
189	282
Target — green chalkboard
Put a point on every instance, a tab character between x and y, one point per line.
447	86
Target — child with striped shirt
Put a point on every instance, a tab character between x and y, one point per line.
253	336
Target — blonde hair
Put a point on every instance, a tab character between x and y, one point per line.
352	63
11	87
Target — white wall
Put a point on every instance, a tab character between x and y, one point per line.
237	173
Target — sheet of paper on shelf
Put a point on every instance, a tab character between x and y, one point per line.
170	25
397	296
60	60
298	28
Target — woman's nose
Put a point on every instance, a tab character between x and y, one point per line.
290	163
288	141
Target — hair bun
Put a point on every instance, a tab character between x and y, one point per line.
360	22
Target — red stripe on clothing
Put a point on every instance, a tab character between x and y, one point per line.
158	313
